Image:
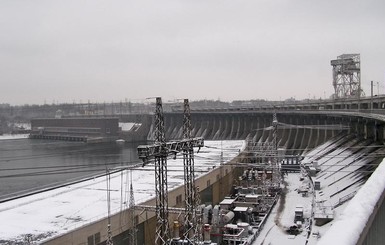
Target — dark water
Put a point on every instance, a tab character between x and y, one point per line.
27	164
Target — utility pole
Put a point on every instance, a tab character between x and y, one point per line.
378	88
161	188
198	218
189	178
276	170
371	95
190	221
109	233
132	213
160	151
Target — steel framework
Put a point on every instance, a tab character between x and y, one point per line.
267	151
347	76
276	168
148	152
190	221
160	150
109	233
132	212
161	188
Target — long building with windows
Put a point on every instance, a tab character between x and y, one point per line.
76	129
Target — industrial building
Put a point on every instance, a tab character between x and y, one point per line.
76	129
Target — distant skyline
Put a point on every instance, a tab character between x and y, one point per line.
102	51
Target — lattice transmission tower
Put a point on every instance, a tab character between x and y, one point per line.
275	160
347	76
161	189
109	232
133	230
191	204
160	150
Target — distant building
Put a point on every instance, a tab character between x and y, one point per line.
76	129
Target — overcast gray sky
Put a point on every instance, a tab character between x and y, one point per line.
112	50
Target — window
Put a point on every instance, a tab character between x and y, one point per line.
97	238
179	199
90	240
94	239
208	183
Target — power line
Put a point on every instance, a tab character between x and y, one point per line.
60	171
66	168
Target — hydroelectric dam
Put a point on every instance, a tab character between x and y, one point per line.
302	128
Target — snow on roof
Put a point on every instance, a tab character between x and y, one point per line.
13	136
58	211
357	213
252	195
22	125
323	212
299	208
227	201
126	126
241	209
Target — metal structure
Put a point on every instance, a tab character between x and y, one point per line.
262	150
160	150
149	152
109	233
171	210
132	214
347	76
275	164
190	217
268	150
161	188
198	217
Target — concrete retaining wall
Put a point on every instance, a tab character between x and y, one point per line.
214	186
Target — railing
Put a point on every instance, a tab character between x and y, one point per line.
344	199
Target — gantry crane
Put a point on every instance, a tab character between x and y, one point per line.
347	76
160	150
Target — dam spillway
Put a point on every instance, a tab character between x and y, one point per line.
307	129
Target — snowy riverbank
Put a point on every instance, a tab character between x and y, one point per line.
58	211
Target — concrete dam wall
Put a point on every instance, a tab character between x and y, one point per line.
298	131
256	126
362	130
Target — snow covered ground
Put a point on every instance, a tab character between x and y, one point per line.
58	211
55	212
343	164
274	230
